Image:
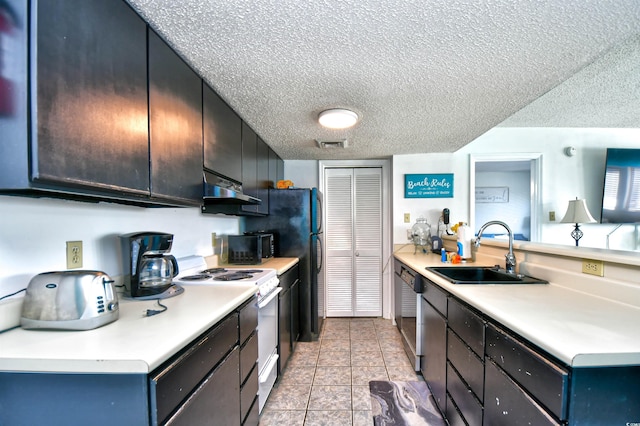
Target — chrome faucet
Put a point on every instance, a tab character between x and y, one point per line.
510	262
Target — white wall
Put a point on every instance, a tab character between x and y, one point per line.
34	231
563	178
303	173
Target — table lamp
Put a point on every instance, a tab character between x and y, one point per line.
577	213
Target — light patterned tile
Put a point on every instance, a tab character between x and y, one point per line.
334	358
361	398
364	345
336	334
289	397
396	358
330	398
403	373
335	345
332	376
308	347
303	359
284	417
362	375
365	334
367	358
297	375
362	418
328	418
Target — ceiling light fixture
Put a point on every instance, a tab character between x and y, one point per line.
337	118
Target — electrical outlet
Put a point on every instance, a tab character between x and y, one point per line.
213	239
407	217
552	216
74	254
593	267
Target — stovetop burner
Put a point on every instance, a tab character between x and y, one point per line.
214	270
233	276
196	277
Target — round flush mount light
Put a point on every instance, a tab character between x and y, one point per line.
337	118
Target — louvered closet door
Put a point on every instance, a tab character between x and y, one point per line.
353	239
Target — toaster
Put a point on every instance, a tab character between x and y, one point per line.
69	300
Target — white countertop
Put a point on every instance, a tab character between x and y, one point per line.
578	328
133	343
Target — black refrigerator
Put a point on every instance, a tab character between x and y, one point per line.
295	219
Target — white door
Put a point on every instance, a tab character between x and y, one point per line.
353	240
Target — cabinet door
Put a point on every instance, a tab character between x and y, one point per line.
216	401
91	118
175	123
273	168
434	364
249	165
295	313
262	158
284	329
222	136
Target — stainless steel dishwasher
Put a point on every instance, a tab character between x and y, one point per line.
408	290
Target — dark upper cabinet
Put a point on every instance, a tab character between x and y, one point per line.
83	129
249	166
222	137
273	168
175	125
262	159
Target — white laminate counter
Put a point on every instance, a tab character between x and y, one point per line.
132	344
280	264
578	328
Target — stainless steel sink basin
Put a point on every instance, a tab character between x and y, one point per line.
481	275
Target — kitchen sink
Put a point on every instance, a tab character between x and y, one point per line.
481	275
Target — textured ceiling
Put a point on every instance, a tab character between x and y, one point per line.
423	76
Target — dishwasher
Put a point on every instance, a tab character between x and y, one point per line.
408	290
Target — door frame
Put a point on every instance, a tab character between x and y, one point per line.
535	160
387	272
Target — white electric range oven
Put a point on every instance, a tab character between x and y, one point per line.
194	271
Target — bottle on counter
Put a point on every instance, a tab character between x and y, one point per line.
464	240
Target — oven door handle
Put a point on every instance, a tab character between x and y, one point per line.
266	300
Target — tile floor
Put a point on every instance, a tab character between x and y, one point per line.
327	382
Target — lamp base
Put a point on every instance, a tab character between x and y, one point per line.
577	234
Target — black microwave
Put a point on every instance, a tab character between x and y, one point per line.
250	248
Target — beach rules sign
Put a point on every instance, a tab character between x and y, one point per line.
428	185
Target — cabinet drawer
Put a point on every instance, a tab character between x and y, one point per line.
469	326
454	418
467	403
508	404
253	417
216	399
470	367
248	393
435	296
546	381
172	383
248	319
248	356
289	277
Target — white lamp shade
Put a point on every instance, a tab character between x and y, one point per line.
338	118
577	212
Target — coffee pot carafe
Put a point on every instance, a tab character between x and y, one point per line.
148	268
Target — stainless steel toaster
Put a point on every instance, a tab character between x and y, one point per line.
69	300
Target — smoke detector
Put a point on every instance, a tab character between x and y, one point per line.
342	143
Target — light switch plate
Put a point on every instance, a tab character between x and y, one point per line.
407	217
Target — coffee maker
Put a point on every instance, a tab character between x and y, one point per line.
148	268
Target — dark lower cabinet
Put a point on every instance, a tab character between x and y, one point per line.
289	323
434	344
216	401
508	404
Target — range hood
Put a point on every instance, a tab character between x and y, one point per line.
220	191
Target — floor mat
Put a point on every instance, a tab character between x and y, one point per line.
403	403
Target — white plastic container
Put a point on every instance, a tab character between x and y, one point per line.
464	241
